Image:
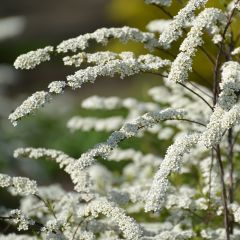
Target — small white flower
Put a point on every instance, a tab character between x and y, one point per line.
57	87
165	3
20	219
32	59
37	100
171	163
131	230
18	185
103	35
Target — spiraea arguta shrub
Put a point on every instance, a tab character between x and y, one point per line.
146	202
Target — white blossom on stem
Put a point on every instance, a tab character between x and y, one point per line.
165	3
127	66
18	185
103	35
207	19
128	130
31	59
185	15
226	112
171	163
64	161
131	230
37	100
97	124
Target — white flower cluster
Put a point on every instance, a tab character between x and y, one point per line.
96	58
128	130
220	121
207	19
127	66
37	100
171	163
136	156
97	124
230	85
52	230
176	96
36	153
103	35
226	112
18	185
57	87
236	51
13	236
131	230
233	4
32	59
184	16
176	233
139	171
235	208
20	219
64	161
135	108
219	234
110	103
165	3
104	199
180	200
159	25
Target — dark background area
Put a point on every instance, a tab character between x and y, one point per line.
47	22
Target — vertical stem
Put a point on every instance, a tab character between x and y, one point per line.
230	162
210	179
220	52
215	94
224	193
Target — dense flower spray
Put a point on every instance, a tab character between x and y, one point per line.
190	192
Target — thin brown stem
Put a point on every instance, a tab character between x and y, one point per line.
75	232
220	52
202	98
164	11
36	226
188	120
195	214
210	183
224	193
189	89
207	54
48	204
199	89
210	179
230	162
216	90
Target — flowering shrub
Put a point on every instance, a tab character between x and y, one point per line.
146	202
